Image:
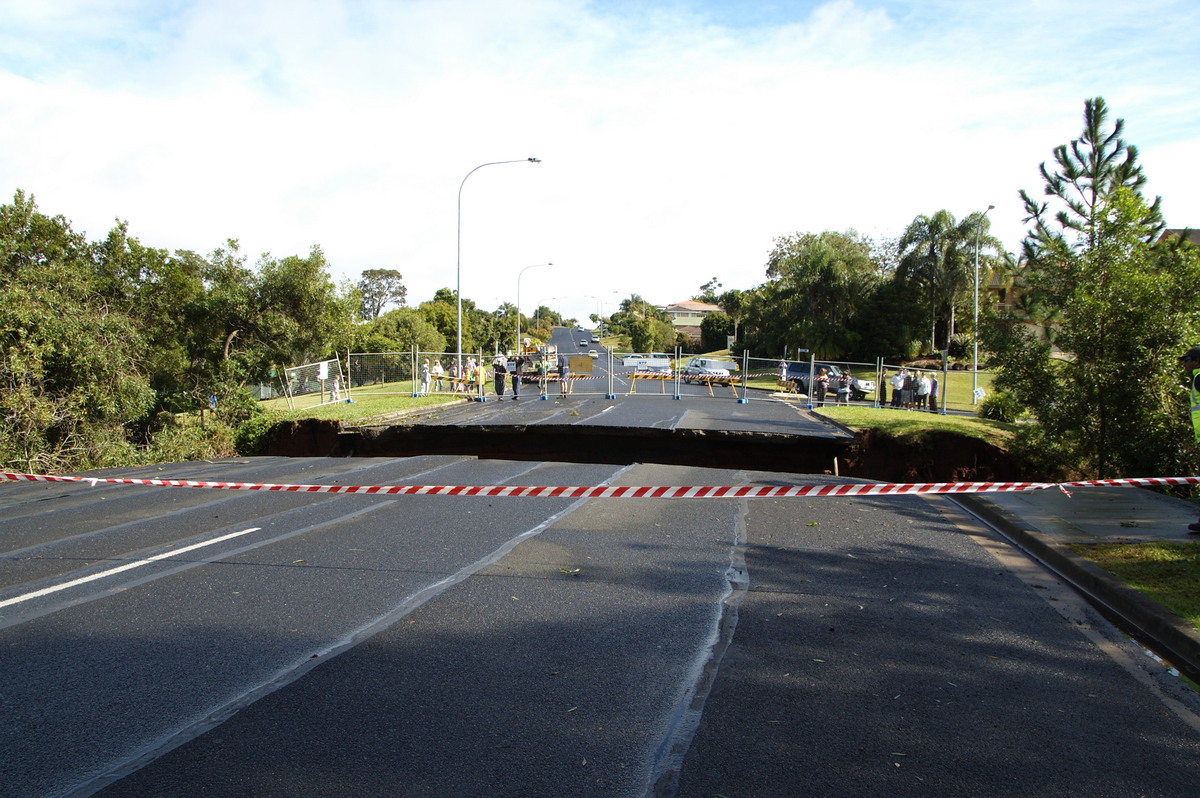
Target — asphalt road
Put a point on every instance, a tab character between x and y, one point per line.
186	642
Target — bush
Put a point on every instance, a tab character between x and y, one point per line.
188	442
1000	406
252	435
962	345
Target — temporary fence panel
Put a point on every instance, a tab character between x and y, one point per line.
314	384
381	372
612	374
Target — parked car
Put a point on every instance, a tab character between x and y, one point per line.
708	368
654	361
859	389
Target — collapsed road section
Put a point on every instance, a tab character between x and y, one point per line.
938	457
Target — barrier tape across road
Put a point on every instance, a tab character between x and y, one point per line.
627	491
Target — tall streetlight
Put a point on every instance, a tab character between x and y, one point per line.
458	264
527	268
975	328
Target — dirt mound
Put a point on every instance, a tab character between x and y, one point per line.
937	456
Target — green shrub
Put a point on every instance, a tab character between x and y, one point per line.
1000	406
252	435
184	443
962	345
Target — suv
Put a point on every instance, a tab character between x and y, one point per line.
798	373
707	368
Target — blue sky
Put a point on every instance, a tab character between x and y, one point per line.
677	139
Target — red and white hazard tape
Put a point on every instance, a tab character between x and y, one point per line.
629	491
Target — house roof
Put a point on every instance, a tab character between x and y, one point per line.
1193	235
693	306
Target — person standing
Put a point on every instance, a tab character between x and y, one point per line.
498	371
470	374
843	388
820	387
897	387
518	367
1191	364
923	388
541	372
883	385
424	378
438	372
481	378
933	392
909	393
564	374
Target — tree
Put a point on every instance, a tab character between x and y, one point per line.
733	303
71	374
380	287
401	329
937	253
708	292
545	318
1090	170
300	315
715	329
818	282
1109	403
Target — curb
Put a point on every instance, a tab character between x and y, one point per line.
1154	625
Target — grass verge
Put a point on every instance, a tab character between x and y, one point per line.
367	406
913	424
1166	571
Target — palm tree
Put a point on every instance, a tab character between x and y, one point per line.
938	253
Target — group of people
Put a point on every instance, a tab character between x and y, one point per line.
823	383
912	389
474	375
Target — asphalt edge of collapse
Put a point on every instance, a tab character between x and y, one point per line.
937	457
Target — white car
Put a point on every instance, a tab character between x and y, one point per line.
704	369
593	354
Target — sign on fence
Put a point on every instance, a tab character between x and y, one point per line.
314	384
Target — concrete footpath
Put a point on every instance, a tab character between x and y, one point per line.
1044	522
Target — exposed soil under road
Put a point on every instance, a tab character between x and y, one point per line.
937	457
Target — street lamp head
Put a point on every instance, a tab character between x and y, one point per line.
990	207
534	160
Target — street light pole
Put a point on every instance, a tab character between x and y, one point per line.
975	328
458	263
527	268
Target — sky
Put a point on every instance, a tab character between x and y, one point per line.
678	140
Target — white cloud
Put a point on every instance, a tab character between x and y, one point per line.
677	141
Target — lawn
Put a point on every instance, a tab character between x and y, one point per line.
909	424
366	403
1167	572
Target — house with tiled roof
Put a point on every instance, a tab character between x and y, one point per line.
687	315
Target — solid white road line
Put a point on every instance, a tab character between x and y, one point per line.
129	566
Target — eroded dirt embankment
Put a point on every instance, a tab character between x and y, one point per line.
938	457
